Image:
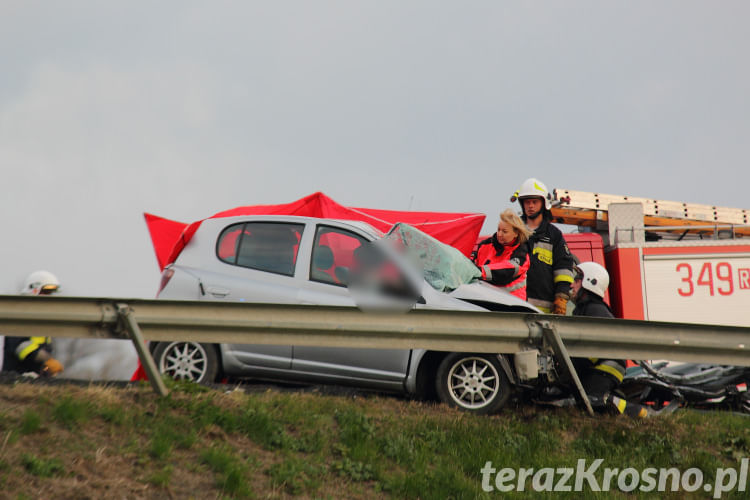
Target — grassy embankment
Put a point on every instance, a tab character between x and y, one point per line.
66	441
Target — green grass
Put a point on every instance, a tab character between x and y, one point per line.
161	477
42	467
71	412
231	473
198	443
31	422
297	476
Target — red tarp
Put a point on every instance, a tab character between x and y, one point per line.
456	229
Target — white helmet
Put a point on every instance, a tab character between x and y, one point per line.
533	188
40	283
595	278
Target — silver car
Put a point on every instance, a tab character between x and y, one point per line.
301	260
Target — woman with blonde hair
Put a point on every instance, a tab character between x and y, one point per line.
504	257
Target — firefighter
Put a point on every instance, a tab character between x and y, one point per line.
33	354
551	263
503	258
600	377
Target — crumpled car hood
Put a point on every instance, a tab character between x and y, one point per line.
480	291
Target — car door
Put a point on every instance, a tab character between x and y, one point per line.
258	262
332	256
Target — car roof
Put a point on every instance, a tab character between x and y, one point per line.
227	221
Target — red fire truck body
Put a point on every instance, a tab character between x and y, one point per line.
691	263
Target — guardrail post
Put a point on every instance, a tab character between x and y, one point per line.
553	338
147	361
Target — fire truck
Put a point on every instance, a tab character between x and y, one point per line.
668	261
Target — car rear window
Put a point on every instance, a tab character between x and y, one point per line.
265	246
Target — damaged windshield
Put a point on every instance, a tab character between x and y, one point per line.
443	267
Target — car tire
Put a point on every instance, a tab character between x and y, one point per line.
472	382
189	361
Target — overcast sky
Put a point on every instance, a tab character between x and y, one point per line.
184	109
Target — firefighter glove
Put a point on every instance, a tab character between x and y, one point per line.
559	306
52	367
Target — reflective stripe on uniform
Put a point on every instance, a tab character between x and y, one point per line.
516	270
630	409
565	275
543	245
621	404
487	272
613	368
516	286
29	346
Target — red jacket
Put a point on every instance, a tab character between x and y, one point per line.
503	265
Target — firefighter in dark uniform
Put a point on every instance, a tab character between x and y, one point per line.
600	377
551	271
33	354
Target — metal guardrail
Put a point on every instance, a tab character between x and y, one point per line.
461	331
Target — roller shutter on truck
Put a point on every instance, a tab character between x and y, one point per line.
698	288
694	284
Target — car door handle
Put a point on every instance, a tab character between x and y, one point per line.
217	291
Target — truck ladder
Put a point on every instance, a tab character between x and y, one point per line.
582	208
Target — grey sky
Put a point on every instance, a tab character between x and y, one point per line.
184	109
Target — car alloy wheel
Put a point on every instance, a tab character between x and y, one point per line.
473	382
189	361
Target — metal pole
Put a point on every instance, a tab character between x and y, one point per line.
553	338
134	332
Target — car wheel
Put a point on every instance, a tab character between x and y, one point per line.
187	361
473	382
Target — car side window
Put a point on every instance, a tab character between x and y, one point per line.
226	246
333	255
265	246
